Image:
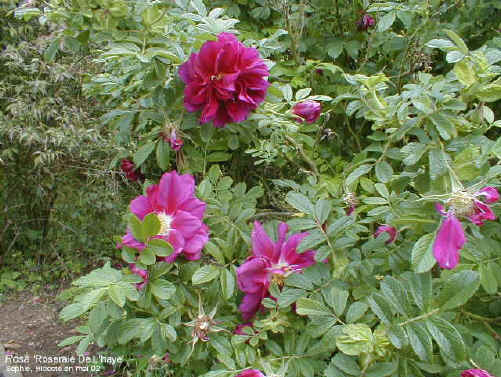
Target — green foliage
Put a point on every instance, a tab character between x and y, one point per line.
410	110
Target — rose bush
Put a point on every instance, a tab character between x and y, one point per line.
307	248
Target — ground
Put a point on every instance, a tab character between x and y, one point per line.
29	325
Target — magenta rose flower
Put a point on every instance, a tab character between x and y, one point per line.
225	80
475	373
481	210
307	110
128	167
365	22
270	261
251	373
450	239
180	214
385	228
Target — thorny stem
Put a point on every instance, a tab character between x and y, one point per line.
299	147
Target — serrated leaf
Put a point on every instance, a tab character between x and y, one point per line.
302	93
386	21
422	259
394	292
357	173
72	311
300	202
322	210
160	247
357	339
356	311
289	296
147	257
307	306
489	93
205	274
168	332
151	225
143	153
447	337
227	283
413	153
457	40
384	171
117	294
440	43
464	73
162	289
488	278
420	340
438	164
421	289
381	307
458	289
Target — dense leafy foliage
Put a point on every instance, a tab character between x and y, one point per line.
408	94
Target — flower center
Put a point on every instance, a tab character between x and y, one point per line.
278	279
165	223
219	76
462	203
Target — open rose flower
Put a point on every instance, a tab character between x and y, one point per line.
225	80
180	214
385	228
475	373
251	373
270	261
307	110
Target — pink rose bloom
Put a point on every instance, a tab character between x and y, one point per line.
176	143
450	239
365	22
225	80
180	214
269	261
307	110
130	171
388	229
475	373
483	211
250	373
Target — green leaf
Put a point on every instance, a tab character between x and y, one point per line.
358	339
160	247
384	171
488	278
464	73
380	369
307	306
395	293
449	339
72	311
444	125
438	163
336	298
357	173
227	279
444	44
162	289
289	296
51	51
117	294
381	307
302	93
454	56
219	157
421	289
386	21
205	274
335	48
70	340
147	257
151	225
420	340
347	364
299	202
356	311
142	153
322	210
162	155
422	259
489	93
168	332
136	227
458	289
457	40
413	153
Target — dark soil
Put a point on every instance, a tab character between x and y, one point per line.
29	326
